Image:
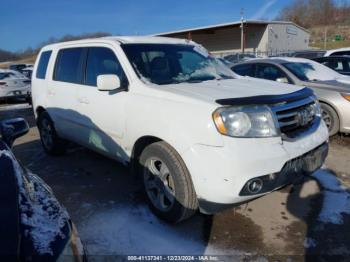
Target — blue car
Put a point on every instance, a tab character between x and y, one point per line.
34	226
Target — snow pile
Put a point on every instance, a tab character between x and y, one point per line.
41	214
129	230
134	230
336	198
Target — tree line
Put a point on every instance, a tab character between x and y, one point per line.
312	13
29	52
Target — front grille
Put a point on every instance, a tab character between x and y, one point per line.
296	117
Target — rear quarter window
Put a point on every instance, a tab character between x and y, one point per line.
42	66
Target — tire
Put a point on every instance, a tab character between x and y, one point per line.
51	142
167	183
331	119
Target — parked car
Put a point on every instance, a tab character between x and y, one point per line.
19	67
27	71
338	52
341	64
34	226
197	134
331	88
309	54
14	85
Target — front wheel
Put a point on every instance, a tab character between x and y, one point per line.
330	117
52	143
167	183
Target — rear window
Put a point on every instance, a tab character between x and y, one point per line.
68	67
42	66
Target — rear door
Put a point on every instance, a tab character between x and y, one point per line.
62	91
103	111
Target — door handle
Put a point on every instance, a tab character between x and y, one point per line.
50	92
83	100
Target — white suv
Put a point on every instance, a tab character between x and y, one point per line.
199	136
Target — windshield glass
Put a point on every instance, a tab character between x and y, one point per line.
310	71
163	64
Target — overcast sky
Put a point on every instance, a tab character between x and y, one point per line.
28	23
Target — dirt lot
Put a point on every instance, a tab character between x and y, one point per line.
298	223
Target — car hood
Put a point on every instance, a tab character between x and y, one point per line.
234	88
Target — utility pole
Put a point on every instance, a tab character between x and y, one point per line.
242	30
325	38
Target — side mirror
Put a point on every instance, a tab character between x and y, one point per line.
12	129
108	82
282	80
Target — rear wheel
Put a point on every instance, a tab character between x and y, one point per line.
51	142
167	183
331	119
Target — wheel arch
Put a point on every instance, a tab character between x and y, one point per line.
140	144
333	107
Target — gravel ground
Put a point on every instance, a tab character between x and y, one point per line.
308	221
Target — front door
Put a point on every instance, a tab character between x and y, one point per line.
103	111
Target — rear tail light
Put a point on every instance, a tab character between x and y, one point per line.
2	83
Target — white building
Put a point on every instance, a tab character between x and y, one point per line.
266	37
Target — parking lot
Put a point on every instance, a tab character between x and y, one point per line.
106	204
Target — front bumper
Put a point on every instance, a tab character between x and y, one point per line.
219	174
292	170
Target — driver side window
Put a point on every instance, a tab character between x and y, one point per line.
102	61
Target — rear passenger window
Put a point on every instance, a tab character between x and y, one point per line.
244	70
42	66
102	61
68	66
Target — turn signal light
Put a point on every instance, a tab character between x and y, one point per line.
219	123
346	96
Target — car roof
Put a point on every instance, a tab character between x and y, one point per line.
7	71
276	60
329	52
124	40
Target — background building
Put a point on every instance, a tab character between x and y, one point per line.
260	37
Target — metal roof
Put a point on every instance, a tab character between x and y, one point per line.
237	23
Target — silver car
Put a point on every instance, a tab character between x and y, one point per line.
331	88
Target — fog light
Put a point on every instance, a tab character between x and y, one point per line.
254	186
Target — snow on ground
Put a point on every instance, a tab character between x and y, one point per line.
336	201
134	230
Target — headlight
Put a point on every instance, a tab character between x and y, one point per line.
253	121
346	96
316	107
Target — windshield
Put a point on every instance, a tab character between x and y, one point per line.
310	71
163	64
